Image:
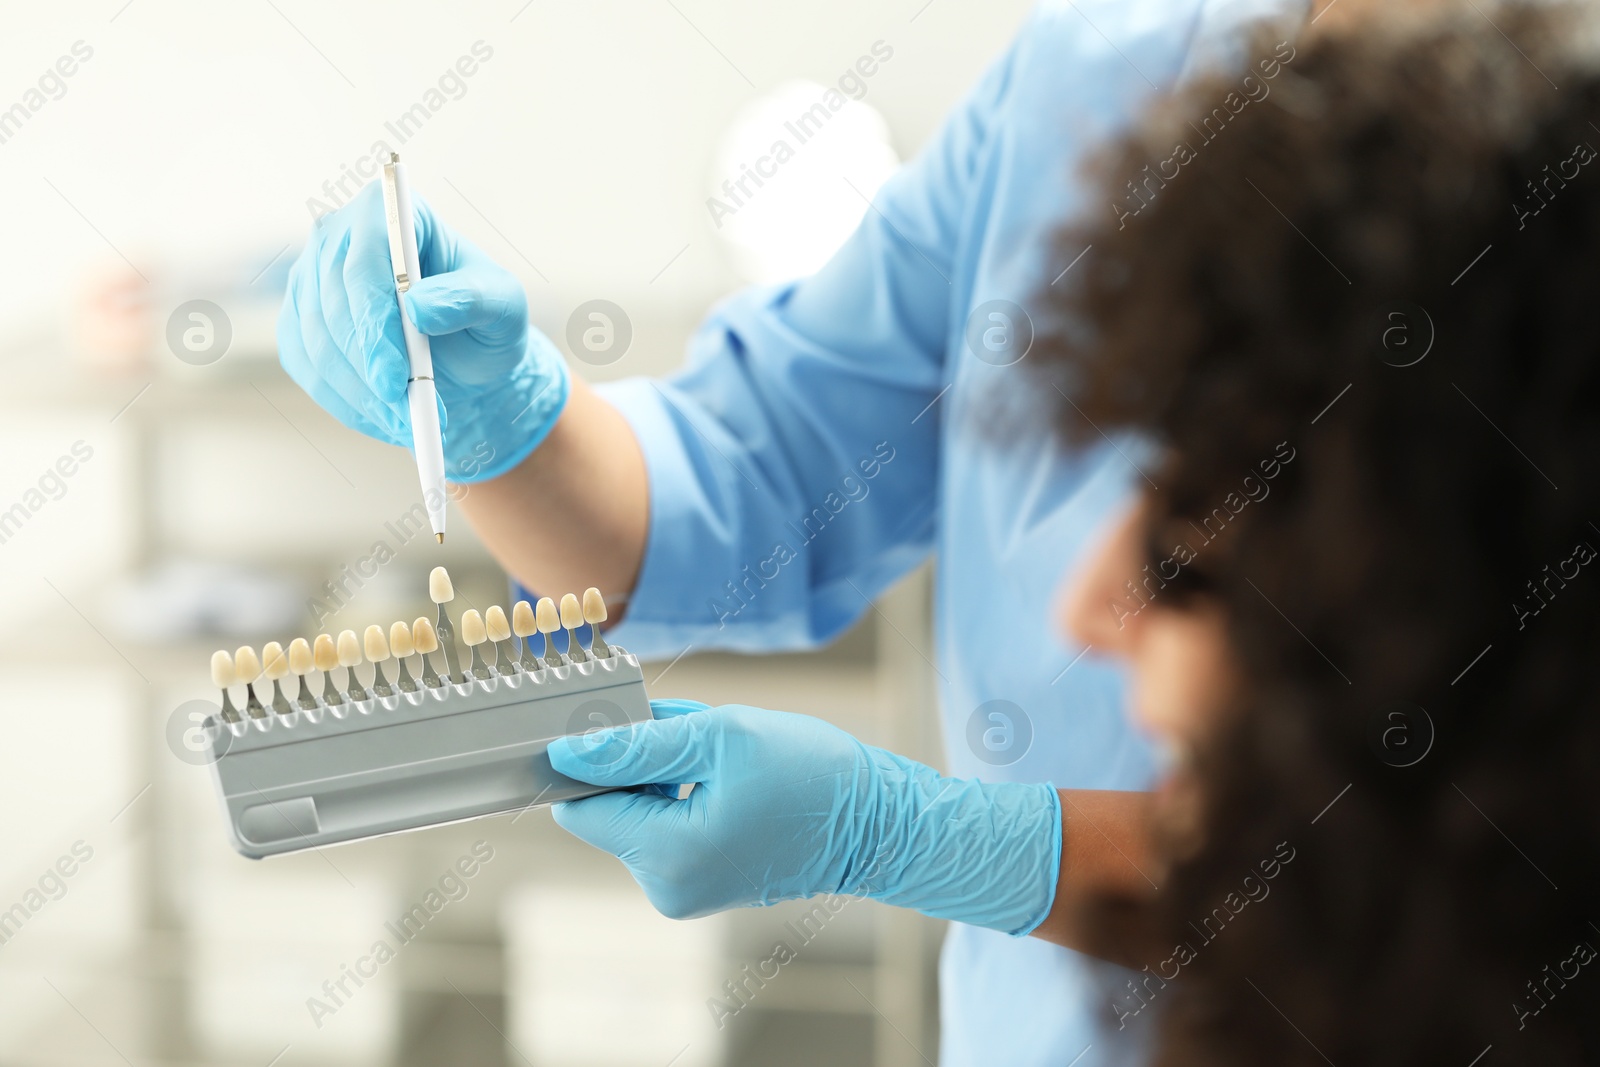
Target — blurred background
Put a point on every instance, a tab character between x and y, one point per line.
165	490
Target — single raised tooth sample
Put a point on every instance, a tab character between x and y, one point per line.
301	661
400	642
223	673
440	589
275	664
376	644
325	654
494	621
247	664
594	613
423	637
594	606
571	619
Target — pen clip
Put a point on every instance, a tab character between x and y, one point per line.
391	210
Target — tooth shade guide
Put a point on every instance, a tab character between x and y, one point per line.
247	664
571	619
423	636
522	621
377	646
275	663
301	661
494	622
400	642
324	653
223	673
441	590
473	631
349	649
594	613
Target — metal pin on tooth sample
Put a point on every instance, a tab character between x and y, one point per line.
325	655
302	663
441	591
248	665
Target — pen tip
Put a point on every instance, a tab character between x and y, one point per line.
440	536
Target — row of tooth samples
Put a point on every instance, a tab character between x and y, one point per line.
421	638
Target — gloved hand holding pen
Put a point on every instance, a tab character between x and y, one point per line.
501	383
787	806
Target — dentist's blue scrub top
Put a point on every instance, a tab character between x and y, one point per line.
827	435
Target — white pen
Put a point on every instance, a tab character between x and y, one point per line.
426	440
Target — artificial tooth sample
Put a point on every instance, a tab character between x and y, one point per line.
350	655
302	663
474	633
441	591
275	665
523	626
401	645
326	657
549	622
248	665
594	613
223	675
377	651
571	619
494	621
426	641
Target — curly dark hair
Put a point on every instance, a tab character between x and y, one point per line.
1391	263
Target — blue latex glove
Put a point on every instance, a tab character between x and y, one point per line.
501	384
788	806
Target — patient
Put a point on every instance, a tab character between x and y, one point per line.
1359	599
